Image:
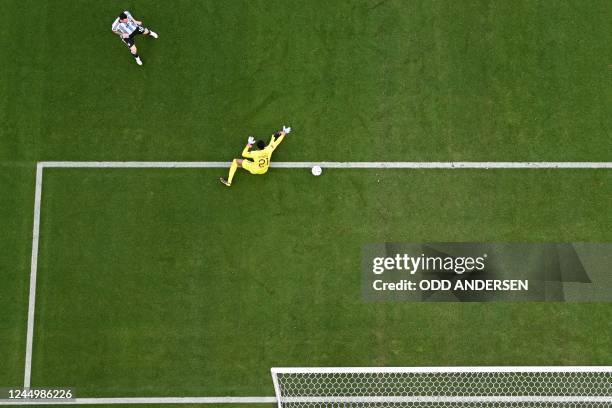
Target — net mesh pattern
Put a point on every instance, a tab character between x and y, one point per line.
446	389
412	404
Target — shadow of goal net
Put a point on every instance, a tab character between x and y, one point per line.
448	387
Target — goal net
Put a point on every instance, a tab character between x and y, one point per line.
449	387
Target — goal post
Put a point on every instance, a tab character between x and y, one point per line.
443	387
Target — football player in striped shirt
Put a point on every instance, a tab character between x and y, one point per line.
127	27
260	159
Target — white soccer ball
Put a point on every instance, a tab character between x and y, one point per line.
316	171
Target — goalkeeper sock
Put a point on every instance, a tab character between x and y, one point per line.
232	171
135	56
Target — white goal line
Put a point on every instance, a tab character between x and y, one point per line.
337	165
146	400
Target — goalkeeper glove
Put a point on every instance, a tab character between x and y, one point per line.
286	129
251	141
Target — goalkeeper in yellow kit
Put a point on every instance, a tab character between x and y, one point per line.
260	159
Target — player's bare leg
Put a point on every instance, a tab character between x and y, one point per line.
151	33
235	164
134	52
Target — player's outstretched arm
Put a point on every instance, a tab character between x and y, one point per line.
246	152
279	136
114	27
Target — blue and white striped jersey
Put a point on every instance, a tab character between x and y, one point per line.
126	28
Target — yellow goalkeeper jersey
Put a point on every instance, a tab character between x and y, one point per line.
261	158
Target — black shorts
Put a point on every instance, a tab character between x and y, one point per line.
131	40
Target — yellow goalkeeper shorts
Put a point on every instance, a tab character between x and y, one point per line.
253	168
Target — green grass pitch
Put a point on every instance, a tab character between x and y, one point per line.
162	282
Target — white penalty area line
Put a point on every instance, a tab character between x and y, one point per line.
286	165
144	400
339	165
33	268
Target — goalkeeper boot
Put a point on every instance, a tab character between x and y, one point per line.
138	61
224	181
153	34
